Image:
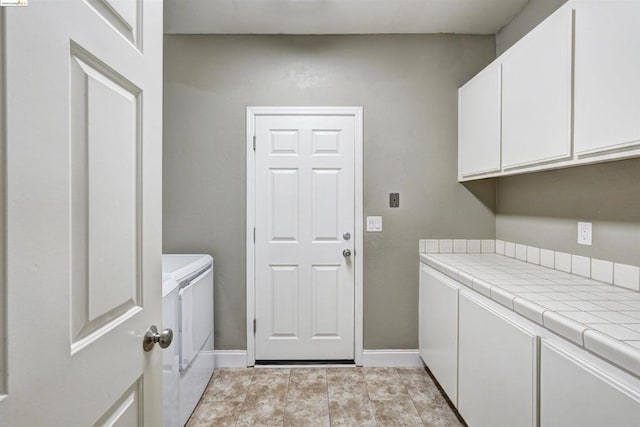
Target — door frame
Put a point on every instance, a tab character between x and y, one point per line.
356	113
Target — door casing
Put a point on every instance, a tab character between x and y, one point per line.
356	113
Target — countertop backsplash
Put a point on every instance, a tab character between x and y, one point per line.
623	275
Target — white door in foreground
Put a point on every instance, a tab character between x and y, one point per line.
84	156
304	241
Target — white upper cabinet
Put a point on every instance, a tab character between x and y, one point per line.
536	94
607	77
567	94
479	123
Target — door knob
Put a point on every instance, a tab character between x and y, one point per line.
152	336
346	235
346	253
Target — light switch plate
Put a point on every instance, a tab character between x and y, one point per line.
394	200
584	233
374	224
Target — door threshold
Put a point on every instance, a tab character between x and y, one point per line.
319	363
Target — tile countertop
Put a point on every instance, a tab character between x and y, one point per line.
599	317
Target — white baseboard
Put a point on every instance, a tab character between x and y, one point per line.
230	358
391	358
206	358
371	358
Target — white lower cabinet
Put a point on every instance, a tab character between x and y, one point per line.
438	312
502	370
576	393
497	371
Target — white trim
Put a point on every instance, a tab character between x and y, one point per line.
230	358
359	238
392	358
356	112
250	255
371	358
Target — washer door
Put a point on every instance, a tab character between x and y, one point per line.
196	316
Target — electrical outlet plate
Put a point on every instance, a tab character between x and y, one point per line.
584	233
374	224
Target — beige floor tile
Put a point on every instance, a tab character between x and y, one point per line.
344	372
411	371
422	390
307	413
322	397
307	384
215	414
348	391
384	384
439	414
398	412
261	413
278	372
229	385
346	385
235	373
352	411
268	387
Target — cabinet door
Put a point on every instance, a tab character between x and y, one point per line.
607	70
572	393
536	94
439	328
497	384
479	123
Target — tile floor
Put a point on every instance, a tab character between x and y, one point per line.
322	397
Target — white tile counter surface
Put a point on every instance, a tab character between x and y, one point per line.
602	318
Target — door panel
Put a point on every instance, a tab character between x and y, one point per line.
304	203
124	16
284	301
84	212
104	168
325	210
127	411
325	304
284	205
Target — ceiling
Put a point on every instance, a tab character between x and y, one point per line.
338	16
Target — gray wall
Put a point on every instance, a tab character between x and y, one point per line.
533	13
542	209
407	85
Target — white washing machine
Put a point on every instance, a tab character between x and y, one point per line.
187	304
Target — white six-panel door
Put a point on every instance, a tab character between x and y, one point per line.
304	205
84	157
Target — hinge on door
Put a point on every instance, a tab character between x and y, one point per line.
254	326
254	234
254	143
